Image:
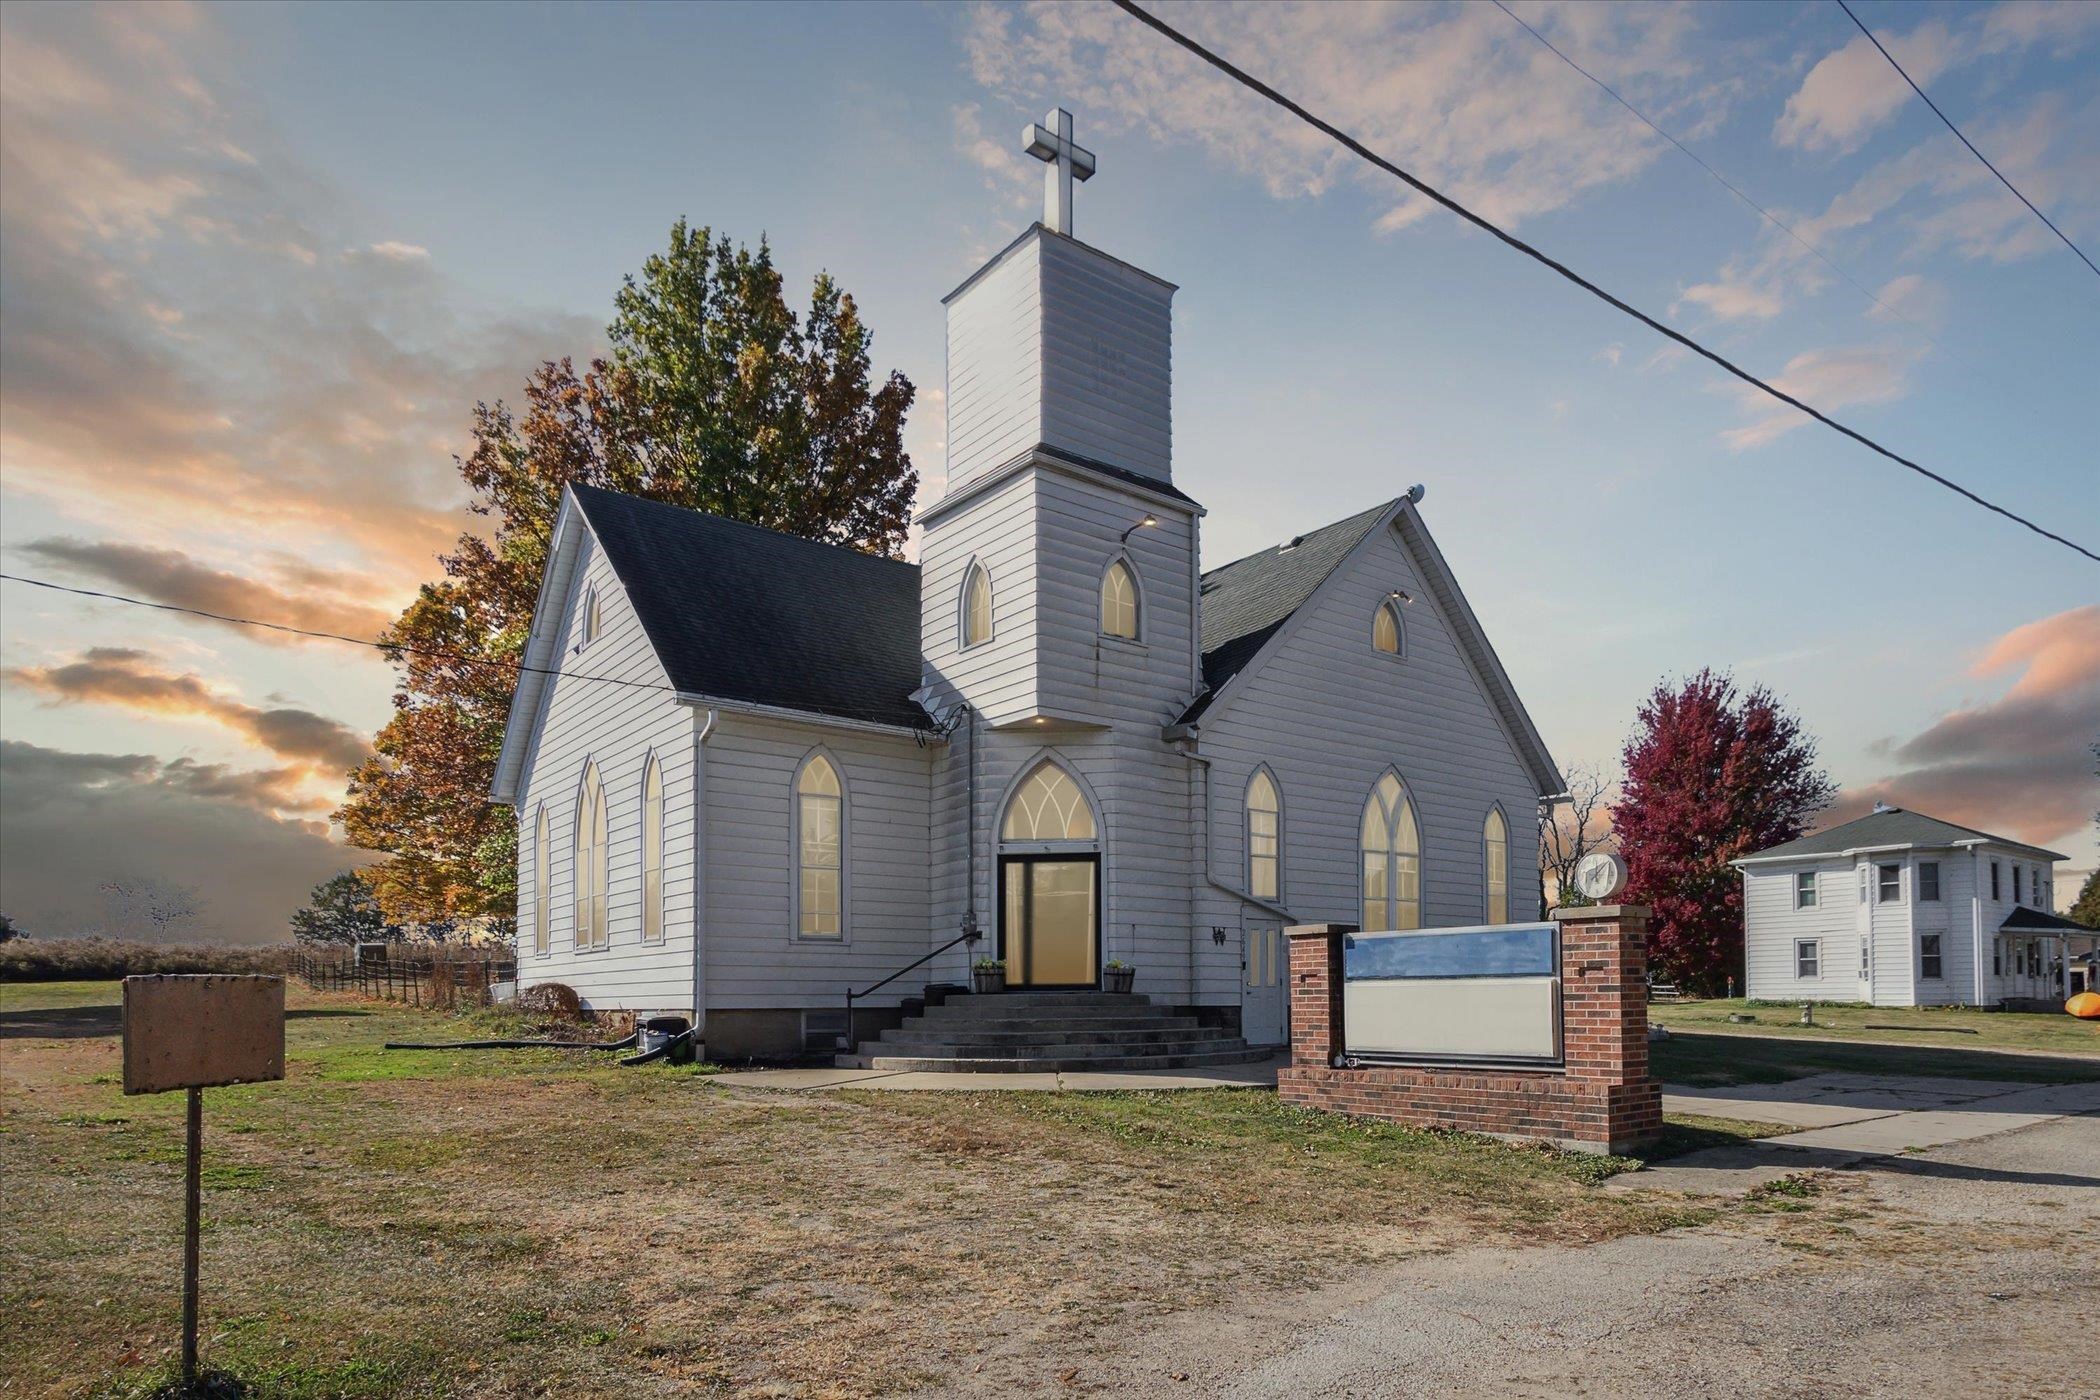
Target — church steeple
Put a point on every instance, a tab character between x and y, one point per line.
1054	343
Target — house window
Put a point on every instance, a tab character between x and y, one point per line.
1496	839
1928	882
820	850
1264	836
653	852
1392	859
1929	957
541	891
592	618
977	606
1997	960
1863	884
1891	883
590	926
1119	602
1866	959
1805	890
1808	958
1994	881
2016	884
1385	629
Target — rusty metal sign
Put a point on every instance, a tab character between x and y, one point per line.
194	1032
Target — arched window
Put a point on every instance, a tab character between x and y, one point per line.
542	894
591	929
977	606
653	852
1496	838
1392	859
591	617
1119	602
1385	629
1048	806
820	851
1264	836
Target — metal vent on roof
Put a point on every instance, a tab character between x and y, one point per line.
1884	807
1295	541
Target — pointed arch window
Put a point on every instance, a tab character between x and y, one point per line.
1264	836
1048	806
653	851
820	851
542	894
1392	859
591	929
1386	632
977	606
1119	602
591	617
1495	838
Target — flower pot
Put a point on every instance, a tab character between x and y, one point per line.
987	979
1117	979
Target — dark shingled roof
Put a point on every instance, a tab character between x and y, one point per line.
1894	826
736	612
2025	920
1244	602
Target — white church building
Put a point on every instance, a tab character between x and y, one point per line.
768	771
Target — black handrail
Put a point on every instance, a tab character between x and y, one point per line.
846	1040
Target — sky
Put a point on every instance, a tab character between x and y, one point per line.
258	263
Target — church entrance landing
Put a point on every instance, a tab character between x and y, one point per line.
1019	1031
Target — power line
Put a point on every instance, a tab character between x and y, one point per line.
1926	98
391	648
1358	148
1767	215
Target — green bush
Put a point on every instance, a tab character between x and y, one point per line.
95	959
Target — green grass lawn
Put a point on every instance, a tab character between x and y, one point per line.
1705	1059
1932	1027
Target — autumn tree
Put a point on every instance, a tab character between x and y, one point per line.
343	910
715	395
1712	774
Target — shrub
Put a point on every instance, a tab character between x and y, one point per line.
94	959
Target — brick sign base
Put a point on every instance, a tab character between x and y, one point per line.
1601	1099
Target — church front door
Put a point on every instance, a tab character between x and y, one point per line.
1050	920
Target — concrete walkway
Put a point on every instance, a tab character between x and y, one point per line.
1260	1076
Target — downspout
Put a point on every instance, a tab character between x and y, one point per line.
969	924
700	881
1210	873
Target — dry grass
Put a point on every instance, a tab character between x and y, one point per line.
77	959
544	1223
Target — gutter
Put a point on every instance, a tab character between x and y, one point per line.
747	707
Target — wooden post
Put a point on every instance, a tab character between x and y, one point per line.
192	1179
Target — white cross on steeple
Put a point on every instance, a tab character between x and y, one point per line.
1068	161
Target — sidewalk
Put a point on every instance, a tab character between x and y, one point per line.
1258	1076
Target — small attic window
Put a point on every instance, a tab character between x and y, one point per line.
1385	628
591	619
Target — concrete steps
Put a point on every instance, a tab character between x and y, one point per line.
1021	1032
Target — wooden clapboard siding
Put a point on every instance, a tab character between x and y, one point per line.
616	727
995	365
1768	907
754	959
1107	353
998	530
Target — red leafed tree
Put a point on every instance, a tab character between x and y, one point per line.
1712	774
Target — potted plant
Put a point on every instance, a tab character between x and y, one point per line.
988	975
1117	975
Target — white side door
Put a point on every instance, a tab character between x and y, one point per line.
1264	978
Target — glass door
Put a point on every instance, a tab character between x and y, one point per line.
1049	920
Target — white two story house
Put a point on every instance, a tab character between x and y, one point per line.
1901	909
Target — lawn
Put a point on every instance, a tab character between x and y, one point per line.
1930	1027
547	1223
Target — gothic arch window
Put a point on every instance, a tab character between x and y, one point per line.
1048	807
591	930
976	605
590	618
1494	838
652	851
542	892
1264	836
1391	847
1119	601
820	850
1387	633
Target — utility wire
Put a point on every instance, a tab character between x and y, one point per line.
389	647
1249	81
1927	100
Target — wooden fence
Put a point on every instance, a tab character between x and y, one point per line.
445	978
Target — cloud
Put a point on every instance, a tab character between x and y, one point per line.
1731	300
1461	95
1853	91
2019	765
133	680
1609	354
73	822
1828	379
326	602
399	252
1912	297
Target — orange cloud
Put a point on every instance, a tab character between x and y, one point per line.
328	600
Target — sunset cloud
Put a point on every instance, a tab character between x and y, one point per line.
2019	765
1829	379
326	601
133	680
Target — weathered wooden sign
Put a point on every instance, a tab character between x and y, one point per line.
190	1032
194	1033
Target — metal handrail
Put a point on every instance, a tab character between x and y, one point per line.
846	1041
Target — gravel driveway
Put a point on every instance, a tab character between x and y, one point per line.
1970	1269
